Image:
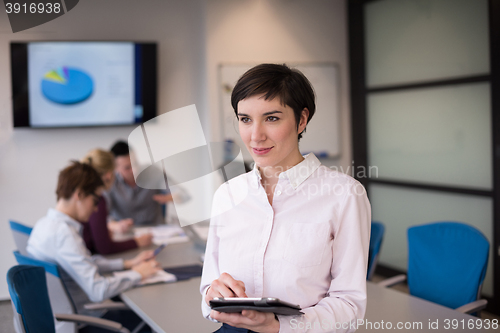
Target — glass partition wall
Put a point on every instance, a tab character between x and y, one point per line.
425	115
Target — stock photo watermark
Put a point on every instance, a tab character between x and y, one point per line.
28	14
433	324
171	152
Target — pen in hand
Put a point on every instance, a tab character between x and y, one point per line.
159	249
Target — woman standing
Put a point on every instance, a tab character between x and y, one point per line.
301	233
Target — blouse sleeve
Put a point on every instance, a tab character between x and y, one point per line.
103	244
345	301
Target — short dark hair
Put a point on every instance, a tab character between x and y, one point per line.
120	148
273	80
77	176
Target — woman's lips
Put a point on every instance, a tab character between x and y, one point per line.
261	151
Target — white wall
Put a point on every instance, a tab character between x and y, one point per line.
279	31
31	158
194	36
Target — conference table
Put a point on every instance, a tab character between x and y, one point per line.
176	307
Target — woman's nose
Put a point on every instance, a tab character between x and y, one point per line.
258	133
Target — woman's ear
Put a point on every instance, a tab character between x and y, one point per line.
304	115
77	195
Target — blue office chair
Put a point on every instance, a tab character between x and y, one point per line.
21	234
60	300
447	263
32	310
376	237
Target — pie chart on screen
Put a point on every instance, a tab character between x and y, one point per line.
66	85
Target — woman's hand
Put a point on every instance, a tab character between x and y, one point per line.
263	322
225	286
162	198
144	240
141	257
147	268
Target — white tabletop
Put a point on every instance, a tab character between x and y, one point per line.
176	307
396	308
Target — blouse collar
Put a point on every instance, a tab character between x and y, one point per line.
296	174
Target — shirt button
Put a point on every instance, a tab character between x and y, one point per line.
278	193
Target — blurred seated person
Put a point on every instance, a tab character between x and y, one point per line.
95	232
57	238
129	201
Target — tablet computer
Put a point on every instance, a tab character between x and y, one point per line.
266	304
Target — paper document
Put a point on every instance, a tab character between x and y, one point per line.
160	276
171	240
164	234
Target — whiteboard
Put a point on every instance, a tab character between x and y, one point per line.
322	133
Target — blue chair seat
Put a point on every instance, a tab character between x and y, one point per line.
447	262
32	310
21	234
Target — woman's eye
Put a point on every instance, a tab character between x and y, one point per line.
244	119
272	118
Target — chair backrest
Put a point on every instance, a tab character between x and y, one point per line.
60	300
447	262
376	237
21	234
28	291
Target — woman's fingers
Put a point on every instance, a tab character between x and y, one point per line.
225	286
248	318
144	255
148	254
252	315
233	319
220	289
237	287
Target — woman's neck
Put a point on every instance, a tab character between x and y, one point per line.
272	173
67	207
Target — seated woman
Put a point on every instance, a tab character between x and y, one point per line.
95	232
57	238
300	231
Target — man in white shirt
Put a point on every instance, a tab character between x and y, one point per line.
57	238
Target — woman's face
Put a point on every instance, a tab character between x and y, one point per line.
269	131
108	178
86	204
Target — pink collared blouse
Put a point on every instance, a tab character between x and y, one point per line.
310	247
